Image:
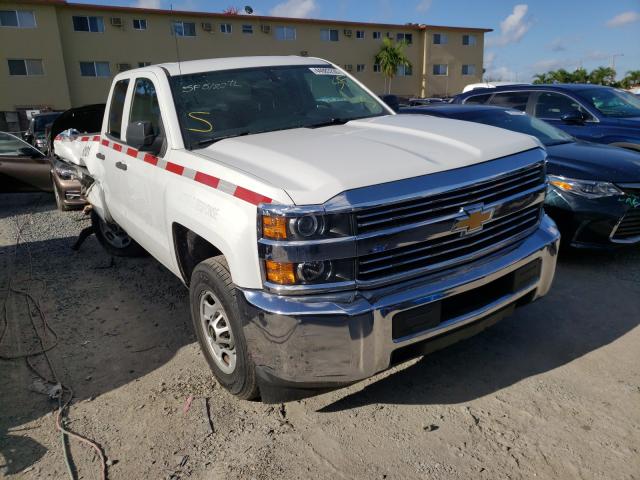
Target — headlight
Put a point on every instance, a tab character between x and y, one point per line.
585	188
305	247
65	172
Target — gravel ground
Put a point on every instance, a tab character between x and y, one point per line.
552	392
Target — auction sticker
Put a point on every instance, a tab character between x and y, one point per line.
325	71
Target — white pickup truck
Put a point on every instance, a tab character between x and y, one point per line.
323	237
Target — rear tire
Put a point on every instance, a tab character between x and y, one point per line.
115	240
218	325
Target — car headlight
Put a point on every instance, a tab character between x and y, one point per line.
585	188
296	245
65	172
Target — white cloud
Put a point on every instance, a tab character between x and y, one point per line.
423	5
295	8
512	28
551	64
494	72
623	19
148	4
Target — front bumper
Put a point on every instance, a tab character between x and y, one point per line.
332	340
588	223
70	191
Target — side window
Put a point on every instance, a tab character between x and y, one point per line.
11	146
116	108
144	106
554	105
478	99
517	100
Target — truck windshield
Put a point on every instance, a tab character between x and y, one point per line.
229	103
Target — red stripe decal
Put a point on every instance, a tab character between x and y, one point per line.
96	138
84	139
132	152
207	179
117	147
150	159
172	167
105	143
249	196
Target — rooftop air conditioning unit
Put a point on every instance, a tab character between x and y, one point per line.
116	21
348	33
123	67
206	26
265	28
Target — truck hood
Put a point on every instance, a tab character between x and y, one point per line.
314	164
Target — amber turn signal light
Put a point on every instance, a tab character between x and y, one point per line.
280	273
274	228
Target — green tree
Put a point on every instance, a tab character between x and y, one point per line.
561	76
580	75
391	57
603	76
631	79
541	78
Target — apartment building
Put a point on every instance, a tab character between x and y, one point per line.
55	54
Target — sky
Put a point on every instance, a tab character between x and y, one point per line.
529	37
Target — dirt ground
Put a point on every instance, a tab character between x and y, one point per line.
552	392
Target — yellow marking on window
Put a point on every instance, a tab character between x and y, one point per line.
199	130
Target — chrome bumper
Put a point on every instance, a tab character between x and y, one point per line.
331	340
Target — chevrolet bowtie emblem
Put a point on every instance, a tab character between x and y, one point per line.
471	221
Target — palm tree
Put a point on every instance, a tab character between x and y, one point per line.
541	78
561	76
580	75
603	76
391	57
631	78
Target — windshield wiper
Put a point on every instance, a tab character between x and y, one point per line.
209	141
327	123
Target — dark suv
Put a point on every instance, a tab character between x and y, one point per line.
589	112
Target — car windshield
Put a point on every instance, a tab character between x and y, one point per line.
612	103
229	103
519	122
41	121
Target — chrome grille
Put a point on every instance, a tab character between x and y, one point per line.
450	202
516	196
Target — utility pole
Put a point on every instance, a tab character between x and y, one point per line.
613	59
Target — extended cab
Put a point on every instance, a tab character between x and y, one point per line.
322	237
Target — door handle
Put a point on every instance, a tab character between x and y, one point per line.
121	166
100	156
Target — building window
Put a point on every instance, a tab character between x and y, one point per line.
17	18
376	68
285	33
360	34
143	64
95	69
348	67
441	69
328	35
407	37
139	24
469	40
88	24
28	67
184	29
405	70
360	67
225	28
377	35
439	38
248	29
468	69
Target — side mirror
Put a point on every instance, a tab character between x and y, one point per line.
140	135
392	101
574	117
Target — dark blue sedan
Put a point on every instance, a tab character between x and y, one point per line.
594	190
589	112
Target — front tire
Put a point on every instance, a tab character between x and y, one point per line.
218	325
115	240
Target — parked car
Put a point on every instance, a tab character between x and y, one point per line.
589	112
36	132
65	176
594	189
322	237
475	86
23	168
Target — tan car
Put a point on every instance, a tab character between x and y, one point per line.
66	185
23	168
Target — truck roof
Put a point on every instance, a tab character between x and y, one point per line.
229	63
